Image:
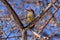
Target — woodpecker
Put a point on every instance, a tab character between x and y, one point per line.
30	15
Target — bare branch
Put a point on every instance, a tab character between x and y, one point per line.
24	34
36	34
51	14
31	25
46	23
16	18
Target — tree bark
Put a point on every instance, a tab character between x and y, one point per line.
24	34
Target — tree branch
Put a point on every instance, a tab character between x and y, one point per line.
16	18
31	25
36	34
46	23
24	34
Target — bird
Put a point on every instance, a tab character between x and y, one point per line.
30	15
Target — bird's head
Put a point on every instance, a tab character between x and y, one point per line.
30	10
